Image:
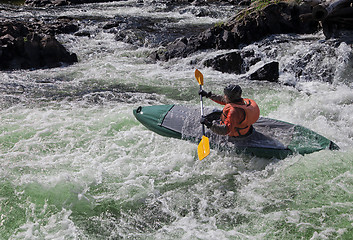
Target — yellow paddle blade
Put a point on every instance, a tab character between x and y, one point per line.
199	76
204	148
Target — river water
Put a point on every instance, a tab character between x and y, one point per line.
76	164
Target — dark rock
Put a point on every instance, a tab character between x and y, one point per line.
268	72
24	47
237	62
226	63
244	3
53	53
274	19
147	31
339	21
58	26
83	33
46	3
136	37
179	48
31	51
64	25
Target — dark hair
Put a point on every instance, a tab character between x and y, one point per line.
233	92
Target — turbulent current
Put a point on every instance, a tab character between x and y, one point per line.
76	164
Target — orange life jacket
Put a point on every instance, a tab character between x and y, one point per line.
252	114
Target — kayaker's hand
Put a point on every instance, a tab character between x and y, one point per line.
207	123
205	94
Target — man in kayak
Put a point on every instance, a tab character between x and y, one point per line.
237	116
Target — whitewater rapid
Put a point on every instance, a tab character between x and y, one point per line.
76	164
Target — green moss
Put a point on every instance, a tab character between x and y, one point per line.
259	5
13	2
219	24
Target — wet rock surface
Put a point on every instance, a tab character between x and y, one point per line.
239	31
32	45
274	19
28	44
46	3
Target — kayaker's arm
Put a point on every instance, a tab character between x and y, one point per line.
214	97
219	129
214	126
218	99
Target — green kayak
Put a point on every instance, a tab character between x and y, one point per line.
270	138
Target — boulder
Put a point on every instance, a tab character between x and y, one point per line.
244	29
267	72
53	54
226	63
236	62
23	47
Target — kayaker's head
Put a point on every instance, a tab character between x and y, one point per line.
233	93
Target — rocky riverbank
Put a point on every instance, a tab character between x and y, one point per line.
32	44
46	3
250	26
240	30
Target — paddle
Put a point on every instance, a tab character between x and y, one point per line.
204	146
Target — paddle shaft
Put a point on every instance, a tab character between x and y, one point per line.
201	103
203	149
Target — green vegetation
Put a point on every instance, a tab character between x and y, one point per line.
259	5
219	24
14	2
255	6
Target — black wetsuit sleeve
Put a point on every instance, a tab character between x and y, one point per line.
219	129
218	99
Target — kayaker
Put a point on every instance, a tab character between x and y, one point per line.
237	116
